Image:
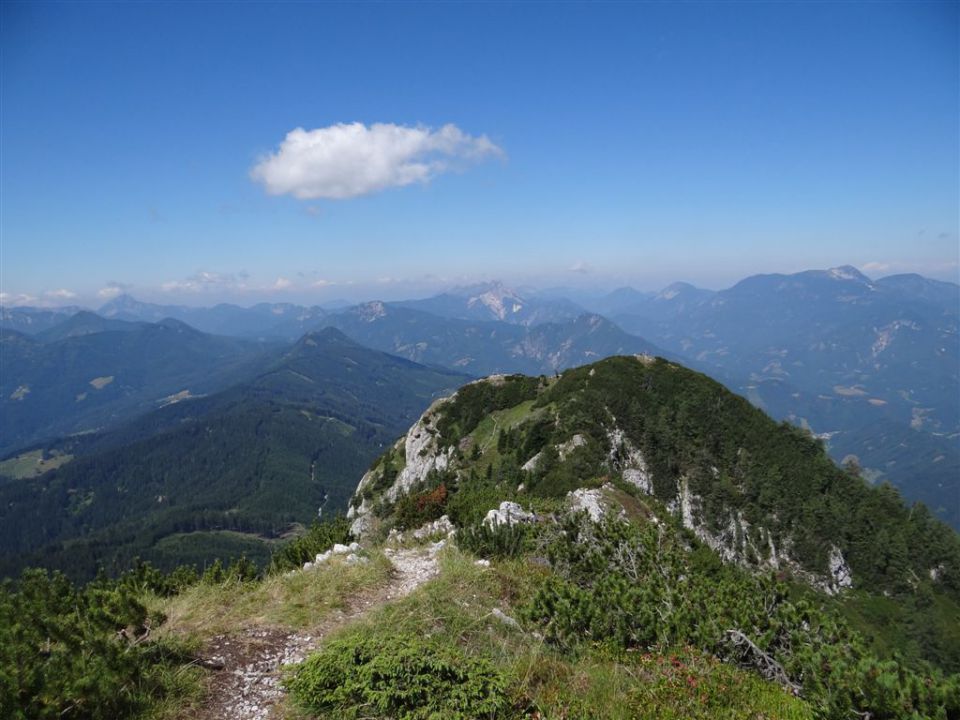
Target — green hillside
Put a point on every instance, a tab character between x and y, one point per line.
698	445
253	459
94	374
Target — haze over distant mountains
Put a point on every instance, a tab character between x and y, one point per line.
870	366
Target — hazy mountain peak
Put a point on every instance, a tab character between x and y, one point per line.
676	289
848	272
121	303
499	300
467	291
178	326
327	337
371	311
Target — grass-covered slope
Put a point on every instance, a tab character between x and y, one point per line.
756	493
256	459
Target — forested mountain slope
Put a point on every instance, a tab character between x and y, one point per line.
89	373
254	459
759	494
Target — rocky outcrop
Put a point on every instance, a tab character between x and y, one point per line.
509	513
422	455
588	501
351	550
840	575
624	457
563	450
440	526
738	542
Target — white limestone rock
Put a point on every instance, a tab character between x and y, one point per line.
337	549
734	543
504	618
589	501
626	458
570	445
509	513
531	464
840	574
563	450
441	526
362	526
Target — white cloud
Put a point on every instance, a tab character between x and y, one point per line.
348	160
581	267
61	294
12	300
205	280
282	283
922	267
111	290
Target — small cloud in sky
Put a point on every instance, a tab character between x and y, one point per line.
351	159
282	283
112	289
204	280
943	236
61	294
922	267
581	267
321	283
13	300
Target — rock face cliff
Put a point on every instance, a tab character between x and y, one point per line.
636	435
420	454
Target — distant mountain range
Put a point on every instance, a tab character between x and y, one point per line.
493	301
89	372
265	320
485	347
870	366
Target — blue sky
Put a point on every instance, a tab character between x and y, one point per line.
599	145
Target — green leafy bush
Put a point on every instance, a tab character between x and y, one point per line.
399	677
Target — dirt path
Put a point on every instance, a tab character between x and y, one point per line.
246	665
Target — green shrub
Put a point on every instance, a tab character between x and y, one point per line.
320	537
630	588
469	501
499	541
689	685
399	677
80	654
412	511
